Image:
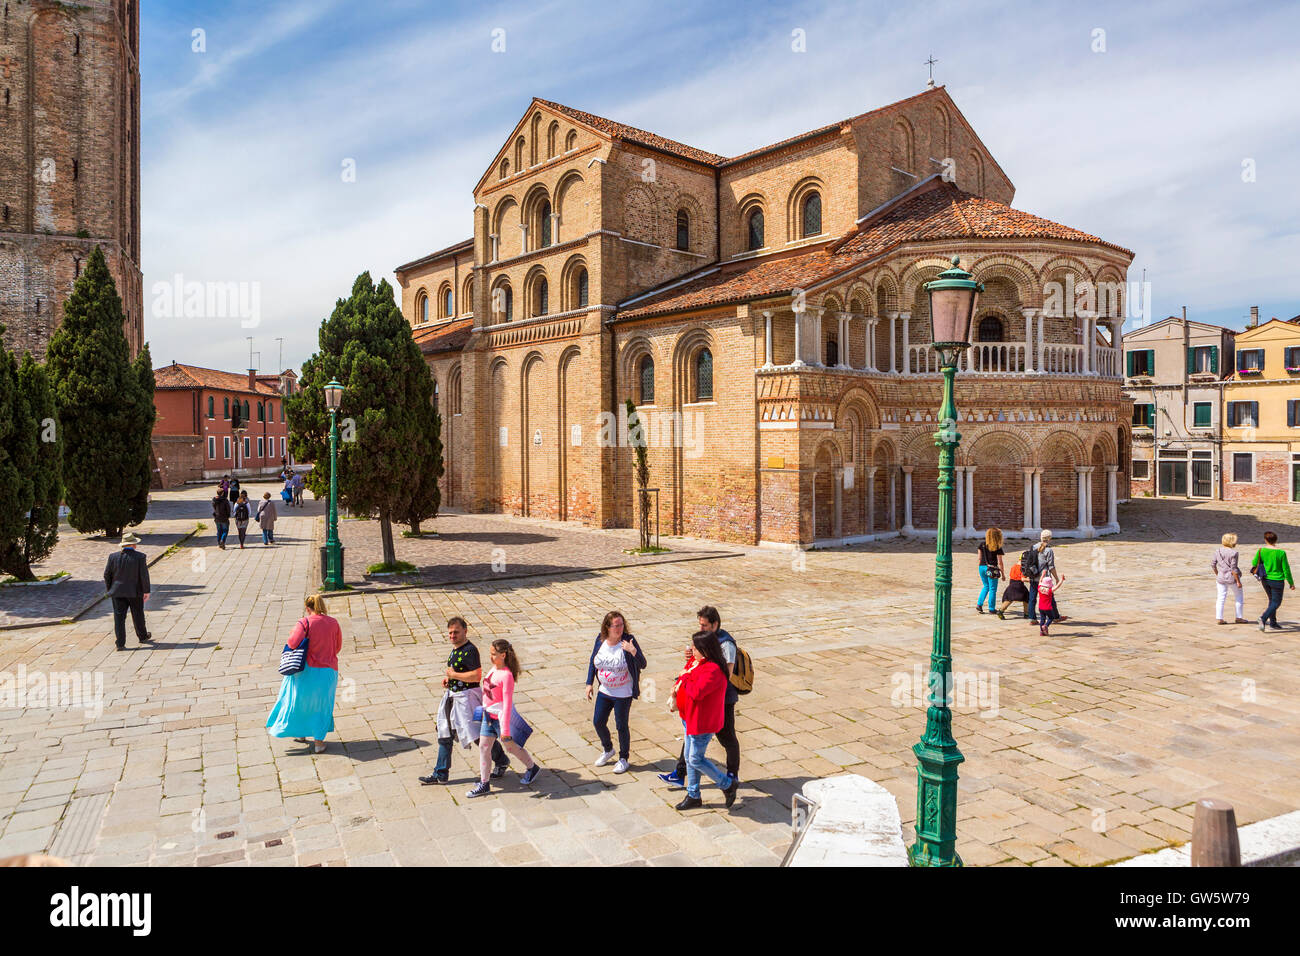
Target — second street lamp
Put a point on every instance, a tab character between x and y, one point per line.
952	305
333	548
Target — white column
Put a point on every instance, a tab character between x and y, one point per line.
959	513
844	341
819	345
1081	483
1029	501
1112	495
1038	498
555	228
523	227
496	249
893	499
970	501
907	499
1042	361
1029	338
907	361
871	343
767	321
798	338
1087	320
871	500
838	529
893	339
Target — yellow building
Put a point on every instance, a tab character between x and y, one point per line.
1261	415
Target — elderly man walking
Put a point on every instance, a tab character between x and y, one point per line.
126	578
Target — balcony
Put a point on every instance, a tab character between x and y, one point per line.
1016	358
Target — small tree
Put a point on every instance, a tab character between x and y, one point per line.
641	468
366	344
17	461
41	529
104	411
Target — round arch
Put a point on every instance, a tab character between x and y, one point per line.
795	207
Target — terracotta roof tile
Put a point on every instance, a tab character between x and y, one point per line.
193	376
448	337
941	211
633	135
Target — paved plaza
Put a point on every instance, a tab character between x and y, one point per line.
1082	748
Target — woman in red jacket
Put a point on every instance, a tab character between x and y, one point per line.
699	695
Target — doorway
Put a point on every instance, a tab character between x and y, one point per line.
1173	479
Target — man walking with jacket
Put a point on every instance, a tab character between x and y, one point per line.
221	515
126	578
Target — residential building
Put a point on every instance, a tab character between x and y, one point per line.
212	423
767	315
1175	372
1261	446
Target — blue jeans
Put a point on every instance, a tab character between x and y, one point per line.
1274	590
443	767
268	536
990	586
697	763
621	707
223	529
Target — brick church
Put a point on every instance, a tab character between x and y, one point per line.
766	314
69	160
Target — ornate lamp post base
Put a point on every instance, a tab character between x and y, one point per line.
936	795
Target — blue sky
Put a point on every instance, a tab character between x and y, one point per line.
244	144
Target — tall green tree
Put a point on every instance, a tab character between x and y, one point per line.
385	419
146	413
641	469
101	406
424	497
44	447
17	459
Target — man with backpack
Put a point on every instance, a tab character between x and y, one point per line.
740	676
1030	571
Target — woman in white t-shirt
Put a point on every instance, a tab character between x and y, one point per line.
617	661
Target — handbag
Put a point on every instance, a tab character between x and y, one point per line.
293	660
1260	574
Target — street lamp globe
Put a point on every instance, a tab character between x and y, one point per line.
952	306
333	395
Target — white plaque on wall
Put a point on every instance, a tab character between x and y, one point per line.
848	477
575	435
504	435
537	437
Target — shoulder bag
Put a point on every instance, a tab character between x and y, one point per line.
294	659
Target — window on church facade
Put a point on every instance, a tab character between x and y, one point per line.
582	288
505	169
542	295
832	352
446	303
646	378
422	308
704	376
571	141
545	214
990	329
683	230
812	215
755	230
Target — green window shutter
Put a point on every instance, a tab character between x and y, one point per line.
1191	360
1151	361
1214	359
1128	358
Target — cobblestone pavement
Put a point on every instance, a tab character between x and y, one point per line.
1082	748
486	547
171	517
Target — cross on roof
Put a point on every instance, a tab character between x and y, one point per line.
931	62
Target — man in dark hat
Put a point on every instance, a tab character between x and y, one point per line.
126	578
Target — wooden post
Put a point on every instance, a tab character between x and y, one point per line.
1214	834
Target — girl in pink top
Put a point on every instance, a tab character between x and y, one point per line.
1046	590
498	706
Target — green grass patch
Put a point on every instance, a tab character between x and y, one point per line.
646	550
397	567
40	577
422	534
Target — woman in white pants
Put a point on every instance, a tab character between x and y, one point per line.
1228	575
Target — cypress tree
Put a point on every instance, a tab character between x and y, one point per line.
101	407
424	496
142	428
41	529
387	436
17	461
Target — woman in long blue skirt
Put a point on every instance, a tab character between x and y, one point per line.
304	709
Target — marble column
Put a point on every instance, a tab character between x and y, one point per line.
907	499
798	338
959	516
819	356
844	341
892	514
838	528
767	320
1081	476
1029	501
1029	338
970	501
1038	498
871	343
893	341
1112	495
907	361
871	499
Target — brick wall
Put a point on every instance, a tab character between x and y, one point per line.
69	161
178	459
1272	478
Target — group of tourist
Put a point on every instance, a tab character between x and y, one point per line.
477	708
1033	580
1270	568
293	486
231	501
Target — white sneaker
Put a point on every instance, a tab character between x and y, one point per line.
606	757
620	767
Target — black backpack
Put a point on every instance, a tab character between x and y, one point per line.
1029	563
241	512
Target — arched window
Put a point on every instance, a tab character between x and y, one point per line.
582	288
519	153
270	411
226	408
704	376
540	303
990	329
552	139
832	353
446	302
545	232
646	379
503	302
212	407
261	412
571	140
812	214
422	309
435	394
756	230
247	416
683	230
505	169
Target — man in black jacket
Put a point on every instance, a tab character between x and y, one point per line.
221	515
126	578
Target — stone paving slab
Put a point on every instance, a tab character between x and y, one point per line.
1082	748
471	548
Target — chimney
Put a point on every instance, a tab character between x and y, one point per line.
1254	316
252	380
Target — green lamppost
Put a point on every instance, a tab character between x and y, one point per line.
333	548
952	304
